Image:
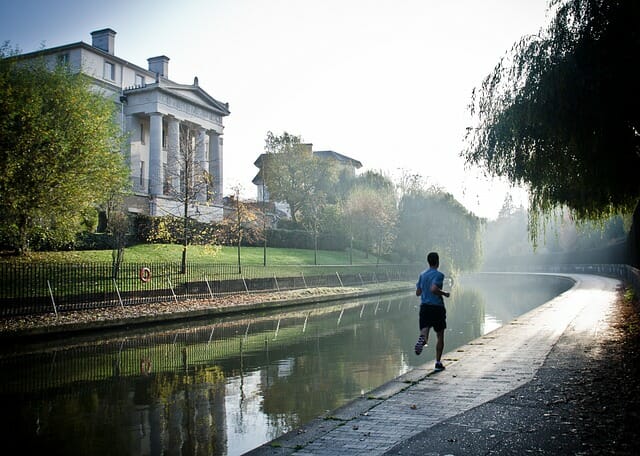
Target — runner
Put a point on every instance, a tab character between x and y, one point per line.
432	311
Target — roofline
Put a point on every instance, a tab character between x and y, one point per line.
222	107
88	47
218	106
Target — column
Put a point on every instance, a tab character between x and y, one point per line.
133	162
215	165
173	153
156	173
202	164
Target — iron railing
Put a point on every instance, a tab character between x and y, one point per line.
624	272
27	289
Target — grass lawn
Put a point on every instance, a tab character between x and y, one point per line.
200	255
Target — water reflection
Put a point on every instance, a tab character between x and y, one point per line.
227	386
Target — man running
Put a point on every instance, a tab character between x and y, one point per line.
432	311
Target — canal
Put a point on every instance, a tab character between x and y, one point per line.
225	386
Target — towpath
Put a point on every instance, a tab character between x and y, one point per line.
507	392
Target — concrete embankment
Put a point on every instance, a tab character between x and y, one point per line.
118	318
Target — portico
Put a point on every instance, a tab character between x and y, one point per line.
176	147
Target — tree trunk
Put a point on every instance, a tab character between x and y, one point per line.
185	234
633	240
23	237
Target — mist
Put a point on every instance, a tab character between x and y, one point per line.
507	242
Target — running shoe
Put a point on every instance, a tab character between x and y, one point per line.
439	366
420	344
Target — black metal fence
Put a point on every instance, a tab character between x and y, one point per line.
27	289
624	272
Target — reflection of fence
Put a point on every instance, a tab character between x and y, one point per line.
624	272
218	348
42	288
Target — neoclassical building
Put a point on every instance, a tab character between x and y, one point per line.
174	130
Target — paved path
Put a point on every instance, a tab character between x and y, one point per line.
414	413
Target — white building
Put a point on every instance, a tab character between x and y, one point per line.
158	115
347	165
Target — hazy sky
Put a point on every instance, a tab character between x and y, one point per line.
385	82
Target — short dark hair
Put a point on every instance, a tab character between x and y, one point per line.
433	259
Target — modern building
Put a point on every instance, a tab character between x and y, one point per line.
174	130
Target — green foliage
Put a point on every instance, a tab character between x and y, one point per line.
293	174
59	152
371	212
170	230
432	220
560	112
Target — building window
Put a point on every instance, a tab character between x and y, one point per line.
141	133
139	80
109	71
141	174
164	138
63	59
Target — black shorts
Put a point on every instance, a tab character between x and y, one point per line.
433	317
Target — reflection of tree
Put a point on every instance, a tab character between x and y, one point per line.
466	313
323	380
517	294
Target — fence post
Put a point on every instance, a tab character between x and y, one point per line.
53	301
172	292
118	291
208	286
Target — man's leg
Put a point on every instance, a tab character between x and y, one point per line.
422	340
439	345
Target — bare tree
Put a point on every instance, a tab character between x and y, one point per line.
188	180
244	224
117	227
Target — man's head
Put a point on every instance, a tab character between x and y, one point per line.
433	259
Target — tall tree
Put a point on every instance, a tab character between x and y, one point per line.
372	215
371	212
59	151
430	219
293	174
560	115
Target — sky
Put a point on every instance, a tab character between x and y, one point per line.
387	83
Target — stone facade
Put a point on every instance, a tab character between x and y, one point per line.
174	130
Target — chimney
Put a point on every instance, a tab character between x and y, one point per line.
159	65
104	39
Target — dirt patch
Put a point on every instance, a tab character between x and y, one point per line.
608	391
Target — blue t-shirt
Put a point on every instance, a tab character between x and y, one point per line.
427	278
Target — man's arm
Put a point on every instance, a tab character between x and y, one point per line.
436	290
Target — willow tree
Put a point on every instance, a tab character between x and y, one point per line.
559	113
59	151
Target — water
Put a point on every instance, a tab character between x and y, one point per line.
229	385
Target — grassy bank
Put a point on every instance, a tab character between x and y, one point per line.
160	253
